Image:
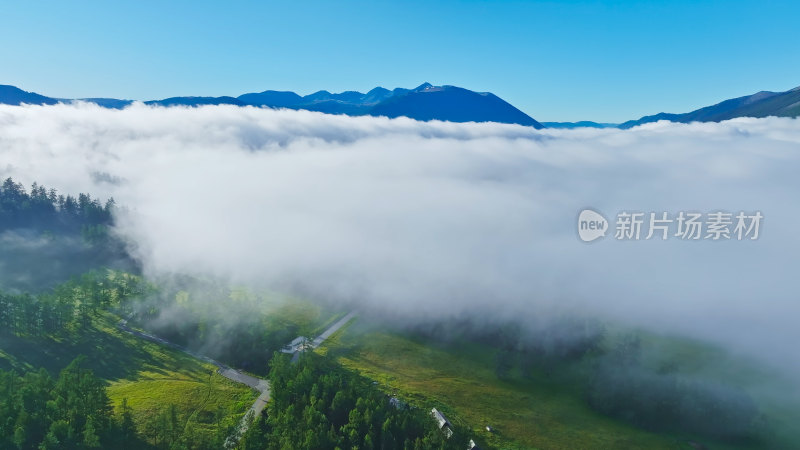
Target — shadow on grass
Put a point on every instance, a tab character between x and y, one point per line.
111	353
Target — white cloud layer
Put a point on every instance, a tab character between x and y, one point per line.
440	218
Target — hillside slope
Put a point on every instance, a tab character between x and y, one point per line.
760	104
453	104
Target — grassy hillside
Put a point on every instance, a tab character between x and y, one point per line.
202	398
539	411
148	375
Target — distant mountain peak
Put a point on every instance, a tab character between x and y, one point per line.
319	95
451	103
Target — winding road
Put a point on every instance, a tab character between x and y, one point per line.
332	329
259	384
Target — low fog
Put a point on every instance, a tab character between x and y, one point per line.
35	262
419	220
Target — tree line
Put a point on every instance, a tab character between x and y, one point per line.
46	209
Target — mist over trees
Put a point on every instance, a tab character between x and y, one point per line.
211	317
315	403
47	237
607	368
664	399
344	206
611	371
67	307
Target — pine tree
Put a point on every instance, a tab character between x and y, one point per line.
90	438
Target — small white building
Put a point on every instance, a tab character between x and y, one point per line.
444	424
296	345
440	418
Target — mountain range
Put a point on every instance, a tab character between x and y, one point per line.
425	102
428	102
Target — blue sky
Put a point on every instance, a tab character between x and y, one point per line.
603	61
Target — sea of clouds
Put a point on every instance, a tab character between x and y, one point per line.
426	219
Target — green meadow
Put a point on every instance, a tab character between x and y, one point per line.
538	411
